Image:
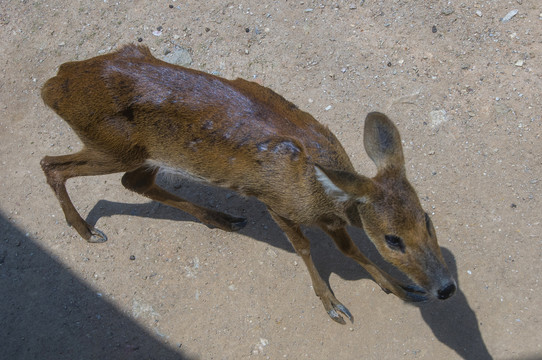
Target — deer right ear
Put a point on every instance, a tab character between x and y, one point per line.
382	142
343	185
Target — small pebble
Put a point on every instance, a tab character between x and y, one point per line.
139	39
171	6
179	56
434	29
247	29
438	117
479	13
509	16
271	253
519	63
328	107
132	257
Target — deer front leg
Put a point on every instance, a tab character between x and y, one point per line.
387	283
302	247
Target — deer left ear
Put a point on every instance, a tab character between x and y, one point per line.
343	185
382	142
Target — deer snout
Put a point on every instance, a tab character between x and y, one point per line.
446	291
443	284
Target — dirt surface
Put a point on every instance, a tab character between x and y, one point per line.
464	88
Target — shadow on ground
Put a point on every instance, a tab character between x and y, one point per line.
453	322
47	313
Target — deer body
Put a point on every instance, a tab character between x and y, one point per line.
137	114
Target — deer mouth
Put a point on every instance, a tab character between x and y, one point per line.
416	293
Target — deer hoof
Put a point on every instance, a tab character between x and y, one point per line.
238	223
334	315
225	222
97	236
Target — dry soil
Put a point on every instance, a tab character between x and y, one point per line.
464	87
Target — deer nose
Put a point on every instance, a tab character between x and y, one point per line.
446	291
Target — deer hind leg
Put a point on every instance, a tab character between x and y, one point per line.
302	247
387	283
87	162
142	181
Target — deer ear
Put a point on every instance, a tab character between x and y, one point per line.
343	185
382	142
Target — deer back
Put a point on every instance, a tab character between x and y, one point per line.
232	133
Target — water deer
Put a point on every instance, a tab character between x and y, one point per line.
137	114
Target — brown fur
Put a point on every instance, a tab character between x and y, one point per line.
137	114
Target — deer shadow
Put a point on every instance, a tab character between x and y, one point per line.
452	321
48	313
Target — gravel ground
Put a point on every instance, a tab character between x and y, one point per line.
463	82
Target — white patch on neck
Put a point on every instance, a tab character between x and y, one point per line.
363	199
331	189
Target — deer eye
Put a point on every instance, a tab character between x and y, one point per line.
395	243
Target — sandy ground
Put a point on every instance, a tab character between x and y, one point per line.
464	88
